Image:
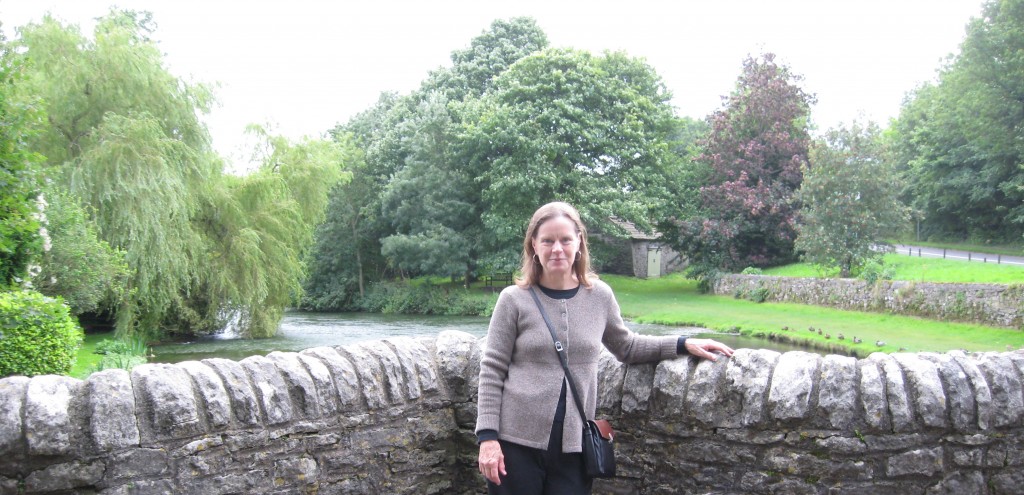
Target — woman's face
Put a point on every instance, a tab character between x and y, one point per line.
556	244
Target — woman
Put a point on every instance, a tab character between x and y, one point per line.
530	433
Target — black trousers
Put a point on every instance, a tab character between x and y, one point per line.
542	472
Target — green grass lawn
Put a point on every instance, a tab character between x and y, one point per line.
924	270
87	359
673	300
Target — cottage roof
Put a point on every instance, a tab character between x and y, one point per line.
633	232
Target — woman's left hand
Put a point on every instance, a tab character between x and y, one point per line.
706	348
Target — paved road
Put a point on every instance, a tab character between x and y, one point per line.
959	255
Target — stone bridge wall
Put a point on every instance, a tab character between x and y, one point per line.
396	417
988	304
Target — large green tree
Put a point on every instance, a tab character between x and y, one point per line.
752	158
850	199
961	140
20	242
568	125
124	136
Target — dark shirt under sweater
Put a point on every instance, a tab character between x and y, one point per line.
484	435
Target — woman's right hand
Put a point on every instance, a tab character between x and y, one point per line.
492	461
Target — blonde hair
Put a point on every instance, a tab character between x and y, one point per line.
530	270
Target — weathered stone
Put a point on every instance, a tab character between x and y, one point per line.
837	391
959	483
143	487
48	422
305	398
895	391
138	463
371	376
930	400
420	358
789	397
1005	386
921	461
968	457
215	400
611	374
872	396
399	390
747	377
842	445
636	388
271	390
236	382
166	399
345	378
894	442
454	355
112	420
324	382
12	400
670	379
702	395
959	395
982	393
65	476
1007	482
295	472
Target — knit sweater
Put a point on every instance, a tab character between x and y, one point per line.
520	373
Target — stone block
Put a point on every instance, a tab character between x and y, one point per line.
372	376
703	392
12	401
295	472
747	378
244	407
399	389
138	464
305	399
215	400
166	399
113	423
925	462
49	426
324	383
837	391
670	380
143	487
789	396
455	352
343	374
982	392
959	395
64	476
957	483
872	396
416	352
1007	482
924	381
271	389
1005	385
636	387
895	391
611	374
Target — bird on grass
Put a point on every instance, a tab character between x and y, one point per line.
840	337
880	343
856	340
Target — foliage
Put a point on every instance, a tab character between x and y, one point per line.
567	125
850	200
38	335
959	140
82	269
753	157
875	270
120	354
20	242
425	299
752	270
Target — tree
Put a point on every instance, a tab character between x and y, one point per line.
20	242
850	199
567	125
959	139
753	157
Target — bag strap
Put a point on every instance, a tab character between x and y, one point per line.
561	355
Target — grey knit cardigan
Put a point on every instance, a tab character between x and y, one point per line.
520	373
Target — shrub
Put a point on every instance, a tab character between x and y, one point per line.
752	270
39	335
875	270
759	295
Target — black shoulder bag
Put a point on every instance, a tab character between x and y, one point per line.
598	449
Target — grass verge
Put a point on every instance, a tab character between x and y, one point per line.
923	270
1008	249
87	357
673	300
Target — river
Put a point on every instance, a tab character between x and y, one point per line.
301	330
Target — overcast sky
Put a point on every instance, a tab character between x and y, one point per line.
306	65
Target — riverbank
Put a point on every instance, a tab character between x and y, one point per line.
674	300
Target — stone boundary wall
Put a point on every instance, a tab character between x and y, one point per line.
989	304
396	417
